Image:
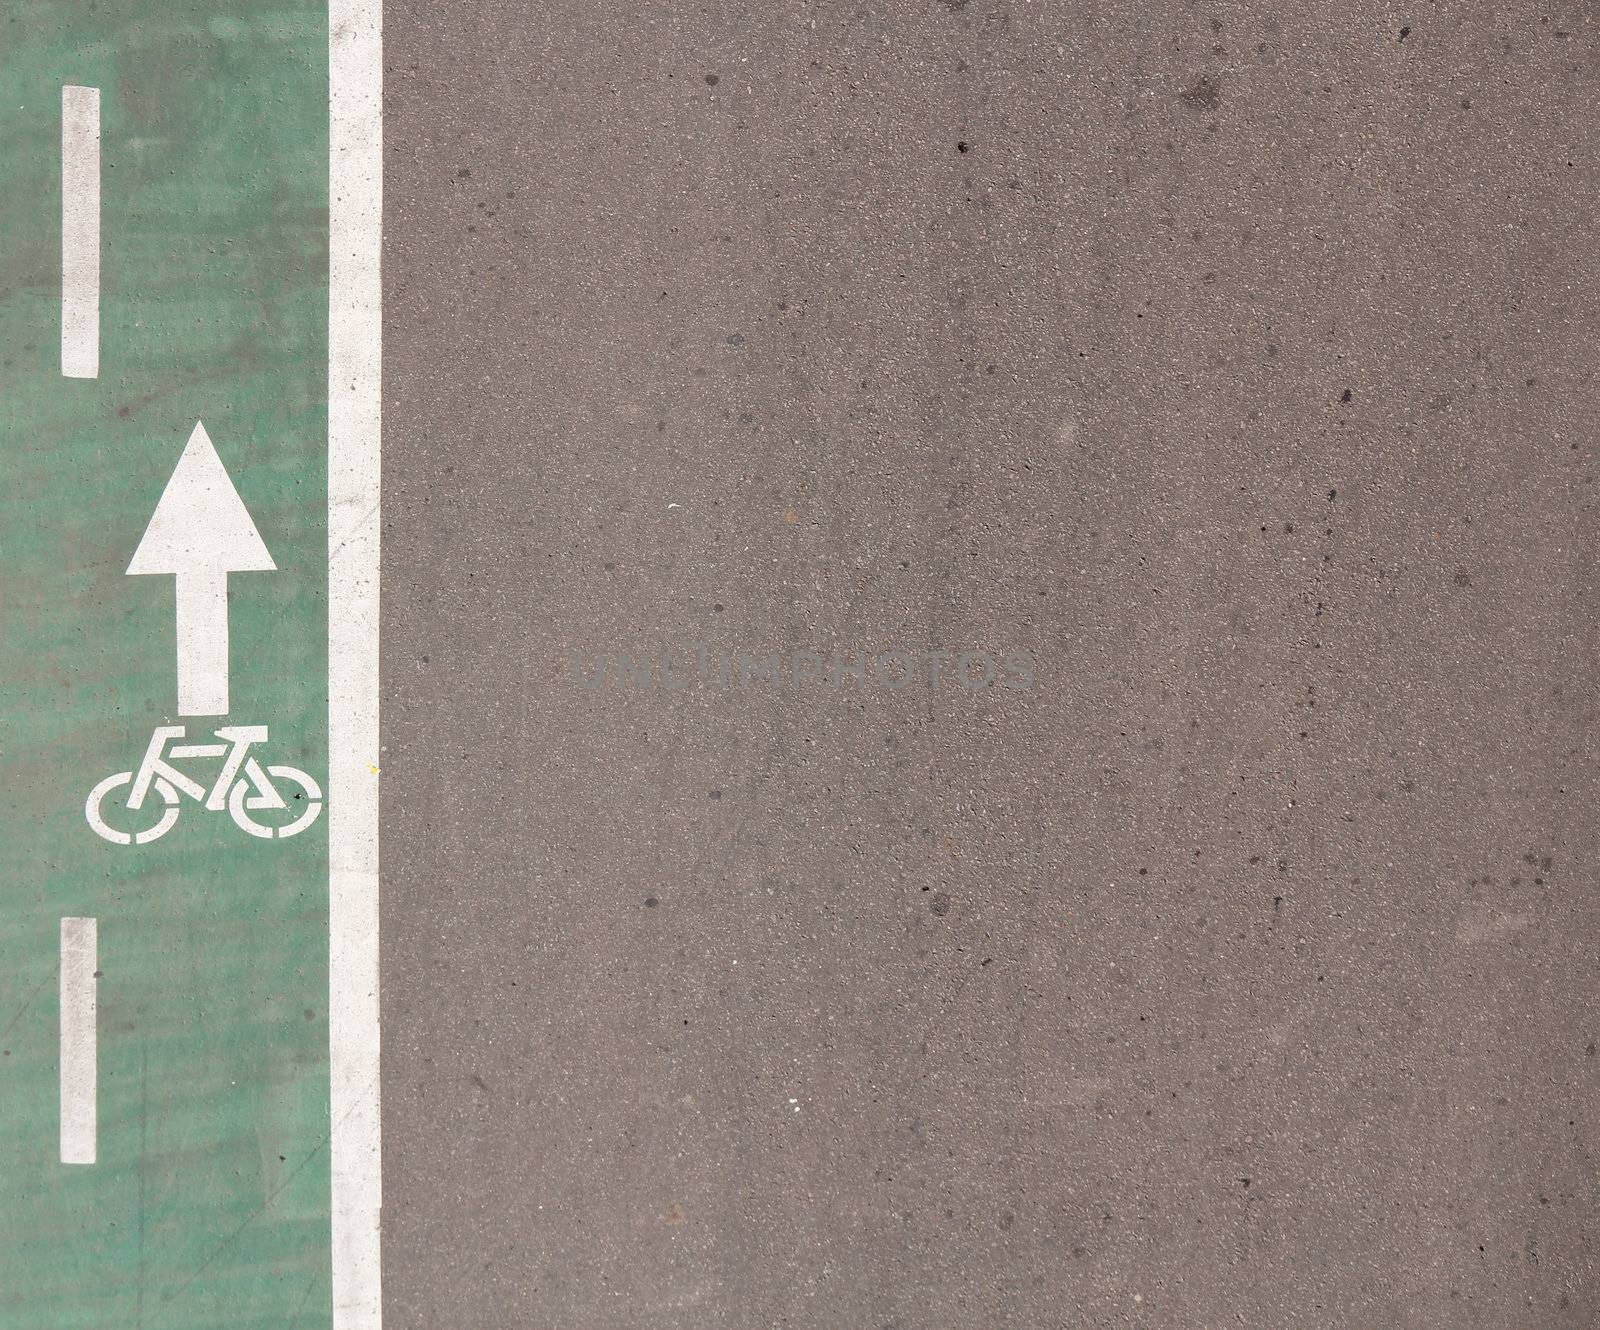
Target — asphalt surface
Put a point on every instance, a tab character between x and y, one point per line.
1235	363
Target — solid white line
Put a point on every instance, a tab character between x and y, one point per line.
79	1125
80	232
355	295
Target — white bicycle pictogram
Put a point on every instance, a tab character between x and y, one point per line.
243	786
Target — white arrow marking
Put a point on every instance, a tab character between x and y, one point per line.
199	533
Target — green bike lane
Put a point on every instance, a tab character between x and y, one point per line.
208	1201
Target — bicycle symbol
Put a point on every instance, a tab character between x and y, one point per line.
242	786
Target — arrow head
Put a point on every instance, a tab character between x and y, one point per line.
200	523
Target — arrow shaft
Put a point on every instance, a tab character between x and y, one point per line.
202	643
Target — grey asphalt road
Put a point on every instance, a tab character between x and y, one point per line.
1234	363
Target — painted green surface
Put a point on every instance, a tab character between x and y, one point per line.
209	1204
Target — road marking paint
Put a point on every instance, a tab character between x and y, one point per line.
202	605
80	232
243	786
355	296
79	1077
199	533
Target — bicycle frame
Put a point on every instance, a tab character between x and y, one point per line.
240	737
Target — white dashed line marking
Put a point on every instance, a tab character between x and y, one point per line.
80	232
79	1057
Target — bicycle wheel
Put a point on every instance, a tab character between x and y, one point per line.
92	811
302	804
